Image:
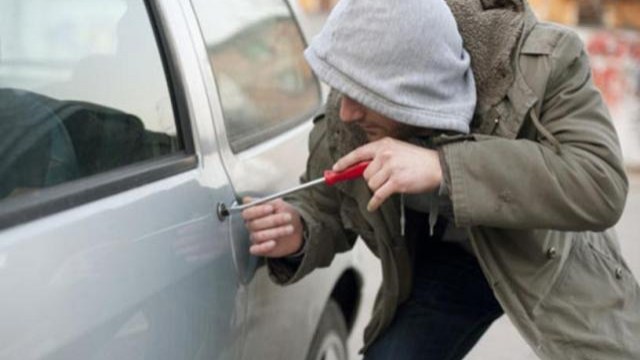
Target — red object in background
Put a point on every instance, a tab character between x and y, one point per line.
615	60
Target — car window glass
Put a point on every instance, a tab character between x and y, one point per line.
82	91
255	51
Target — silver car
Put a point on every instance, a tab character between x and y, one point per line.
124	126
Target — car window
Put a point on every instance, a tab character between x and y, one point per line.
82	91
255	51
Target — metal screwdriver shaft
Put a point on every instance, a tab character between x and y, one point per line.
276	195
330	178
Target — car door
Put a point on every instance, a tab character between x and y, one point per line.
263	97
263	91
110	246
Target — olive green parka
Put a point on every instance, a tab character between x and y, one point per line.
539	184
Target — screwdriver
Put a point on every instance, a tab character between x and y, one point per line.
330	178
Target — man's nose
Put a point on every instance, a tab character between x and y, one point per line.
350	110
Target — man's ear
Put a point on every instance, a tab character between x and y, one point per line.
515	5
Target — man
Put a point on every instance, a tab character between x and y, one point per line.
514	217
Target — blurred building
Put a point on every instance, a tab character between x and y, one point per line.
607	13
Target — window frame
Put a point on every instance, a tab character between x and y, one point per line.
247	143
47	201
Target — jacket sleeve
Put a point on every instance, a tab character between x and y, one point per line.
319	207
576	184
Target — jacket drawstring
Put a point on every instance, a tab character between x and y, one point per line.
434	211
545	132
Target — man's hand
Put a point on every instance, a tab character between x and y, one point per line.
396	167
275	228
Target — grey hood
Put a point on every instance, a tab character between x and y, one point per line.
402	58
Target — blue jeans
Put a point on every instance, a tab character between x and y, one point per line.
449	309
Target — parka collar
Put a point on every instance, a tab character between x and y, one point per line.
520	93
490	30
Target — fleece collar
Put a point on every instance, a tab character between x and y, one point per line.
490	30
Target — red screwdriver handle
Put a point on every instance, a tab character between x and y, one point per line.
354	172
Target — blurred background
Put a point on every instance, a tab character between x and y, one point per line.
610	30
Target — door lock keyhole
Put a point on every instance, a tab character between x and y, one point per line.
222	211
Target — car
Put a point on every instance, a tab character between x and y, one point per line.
125	127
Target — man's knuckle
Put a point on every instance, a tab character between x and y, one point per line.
285	218
366	174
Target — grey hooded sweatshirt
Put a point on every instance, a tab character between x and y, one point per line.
401	58
405	60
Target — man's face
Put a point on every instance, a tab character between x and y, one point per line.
375	125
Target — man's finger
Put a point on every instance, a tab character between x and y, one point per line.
378	179
257	211
380	196
363	153
271	234
374	166
269	222
262	249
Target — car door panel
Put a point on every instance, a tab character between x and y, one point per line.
145	273
275	315
83	274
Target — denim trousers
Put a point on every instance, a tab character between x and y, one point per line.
450	307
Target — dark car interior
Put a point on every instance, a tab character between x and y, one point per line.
45	142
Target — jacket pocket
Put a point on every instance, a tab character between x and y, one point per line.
591	308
